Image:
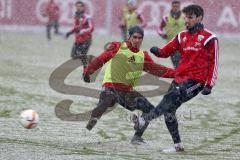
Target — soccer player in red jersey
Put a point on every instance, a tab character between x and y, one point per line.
52	11
196	72
83	28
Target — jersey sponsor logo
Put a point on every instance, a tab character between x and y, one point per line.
197	44
191	49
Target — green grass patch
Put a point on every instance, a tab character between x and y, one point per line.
5	113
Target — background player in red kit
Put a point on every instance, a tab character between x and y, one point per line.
83	28
196	72
52	11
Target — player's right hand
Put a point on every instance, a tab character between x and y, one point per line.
86	78
155	51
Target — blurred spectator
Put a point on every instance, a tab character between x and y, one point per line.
130	17
52	12
83	28
170	26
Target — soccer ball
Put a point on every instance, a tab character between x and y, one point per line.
29	118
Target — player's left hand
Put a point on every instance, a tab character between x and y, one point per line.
206	90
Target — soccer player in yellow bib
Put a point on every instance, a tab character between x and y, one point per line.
130	17
125	64
170	26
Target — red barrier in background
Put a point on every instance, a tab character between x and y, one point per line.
221	16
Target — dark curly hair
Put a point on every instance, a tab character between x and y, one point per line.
193	9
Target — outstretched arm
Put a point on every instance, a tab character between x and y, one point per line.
160	30
167	50
74	29
156	69
212	48
141	20
102	59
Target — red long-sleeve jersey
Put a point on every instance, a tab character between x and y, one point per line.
199	56
83	28
149	65
52	11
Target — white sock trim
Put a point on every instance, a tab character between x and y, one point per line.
141	122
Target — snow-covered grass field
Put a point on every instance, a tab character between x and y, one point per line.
209	125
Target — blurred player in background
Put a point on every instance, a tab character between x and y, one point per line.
170	26
197	71
52	11
126	62
83	28
130	17
122	25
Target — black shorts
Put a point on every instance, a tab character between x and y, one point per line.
130	100
178	94
175	97
79	49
